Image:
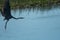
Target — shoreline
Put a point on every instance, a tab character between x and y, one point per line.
42	4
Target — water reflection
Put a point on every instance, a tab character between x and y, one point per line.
36	12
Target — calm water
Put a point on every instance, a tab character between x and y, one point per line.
36	25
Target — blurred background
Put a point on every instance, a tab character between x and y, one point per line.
41	20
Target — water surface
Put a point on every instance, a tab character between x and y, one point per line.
36	25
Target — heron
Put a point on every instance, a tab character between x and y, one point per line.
6	12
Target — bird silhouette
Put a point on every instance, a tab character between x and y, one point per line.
6	12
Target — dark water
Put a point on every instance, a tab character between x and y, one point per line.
36	25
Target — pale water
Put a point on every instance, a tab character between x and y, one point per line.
36	25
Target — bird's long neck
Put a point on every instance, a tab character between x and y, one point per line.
6	0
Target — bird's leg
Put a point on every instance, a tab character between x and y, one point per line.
19	18
6	24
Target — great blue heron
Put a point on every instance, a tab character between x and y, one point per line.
6	12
